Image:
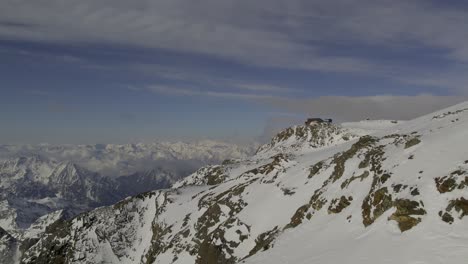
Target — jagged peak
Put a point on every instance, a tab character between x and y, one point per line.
68	172
69	166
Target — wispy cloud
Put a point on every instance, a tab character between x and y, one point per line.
258	87
171	90
239	88
132	88
46	56
294	35
278	33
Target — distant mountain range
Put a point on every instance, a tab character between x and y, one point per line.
55	182
33	186
115	160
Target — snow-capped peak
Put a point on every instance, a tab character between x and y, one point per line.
67	173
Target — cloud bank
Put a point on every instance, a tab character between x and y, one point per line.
293	34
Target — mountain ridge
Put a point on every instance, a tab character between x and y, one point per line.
398	192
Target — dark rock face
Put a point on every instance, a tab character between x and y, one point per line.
57	248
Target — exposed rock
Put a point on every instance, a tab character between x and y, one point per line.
460	205
264	241
338	205
456	180
405	209
340	159
412	142
361	177
375	204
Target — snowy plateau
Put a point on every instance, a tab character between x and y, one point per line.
365	192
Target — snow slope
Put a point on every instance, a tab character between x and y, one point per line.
315	194
367	127
443	149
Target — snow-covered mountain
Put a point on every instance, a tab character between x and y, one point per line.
31	187
41	181
396	195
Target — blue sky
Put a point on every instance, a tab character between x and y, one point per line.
129	71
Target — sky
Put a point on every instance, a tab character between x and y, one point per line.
115	71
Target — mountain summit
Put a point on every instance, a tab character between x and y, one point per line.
315	194
309	135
